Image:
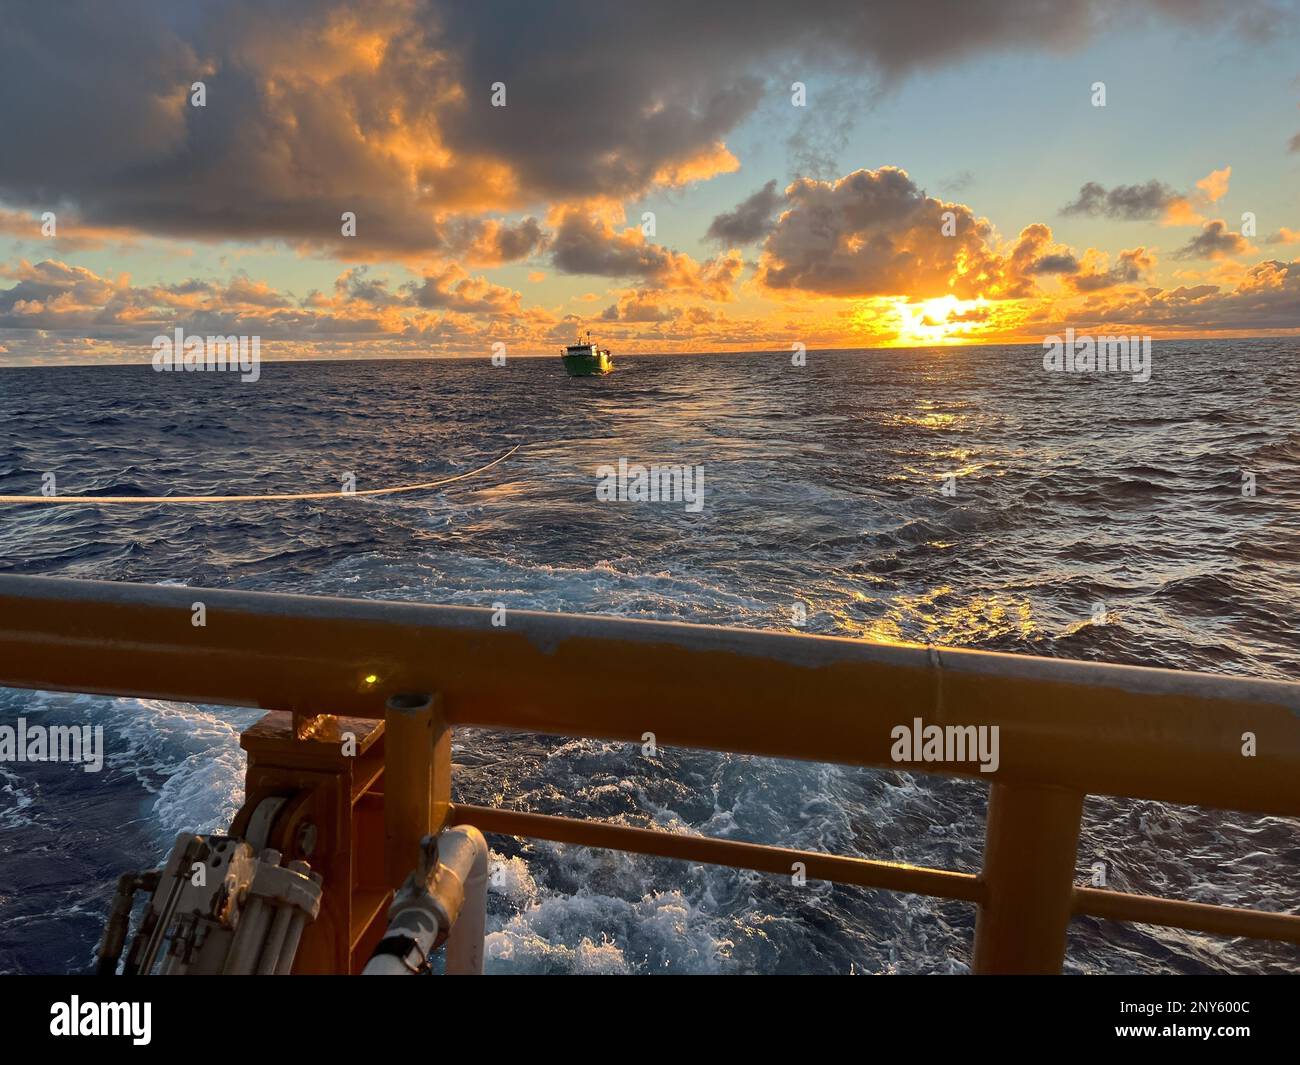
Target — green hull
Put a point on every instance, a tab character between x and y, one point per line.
588	365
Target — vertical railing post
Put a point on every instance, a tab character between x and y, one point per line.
417	779
1030	850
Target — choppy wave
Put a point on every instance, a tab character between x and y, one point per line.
823	488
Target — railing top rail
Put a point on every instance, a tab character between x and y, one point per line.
1095	728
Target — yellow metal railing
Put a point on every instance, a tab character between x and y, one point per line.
1067	729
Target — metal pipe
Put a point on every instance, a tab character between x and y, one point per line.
1194	916
1031	843
270	957
464	950
297	922
1167	735
284	963
118	925
449	887
246	945
893	876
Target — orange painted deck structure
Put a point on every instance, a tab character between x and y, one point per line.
1067	730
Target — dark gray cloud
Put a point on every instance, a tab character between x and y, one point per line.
450	288
874	232
1214	241
957	183
1060	263
584	245
519	241
822	129
639	307
357	284
1133	266
751	219
315	107
1128	202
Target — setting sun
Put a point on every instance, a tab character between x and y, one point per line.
942	320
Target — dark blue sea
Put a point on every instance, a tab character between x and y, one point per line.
823	486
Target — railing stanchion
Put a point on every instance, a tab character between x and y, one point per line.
417	778
1030	850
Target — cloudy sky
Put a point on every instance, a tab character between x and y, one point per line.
656	174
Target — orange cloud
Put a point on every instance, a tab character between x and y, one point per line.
1215	184
583	244
1186	210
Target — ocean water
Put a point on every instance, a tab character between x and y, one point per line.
822	487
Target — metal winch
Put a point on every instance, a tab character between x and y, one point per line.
220	905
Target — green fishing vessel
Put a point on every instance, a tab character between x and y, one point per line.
587	360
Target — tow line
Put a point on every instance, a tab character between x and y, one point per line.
276	497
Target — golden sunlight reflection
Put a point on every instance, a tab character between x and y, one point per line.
928	618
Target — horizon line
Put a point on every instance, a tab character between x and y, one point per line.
5	365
